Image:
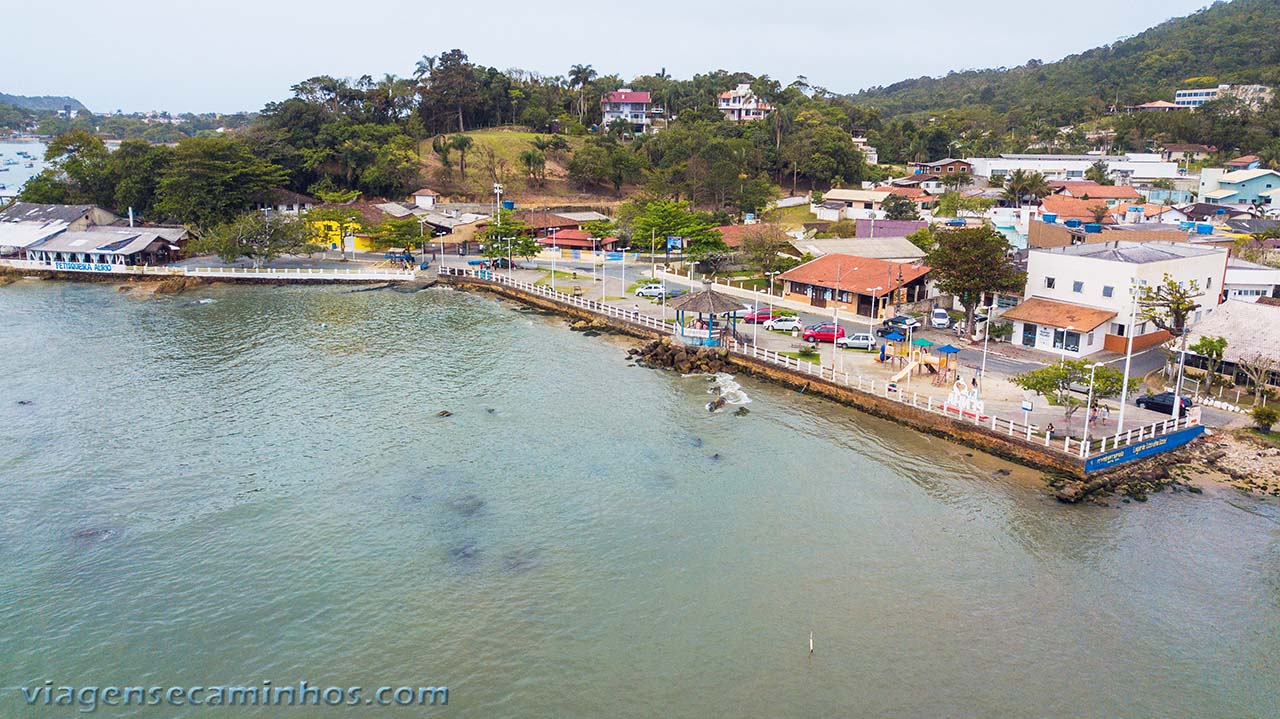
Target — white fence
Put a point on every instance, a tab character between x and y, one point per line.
302	273
870	385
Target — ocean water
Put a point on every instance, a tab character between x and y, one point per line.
13	177
259	487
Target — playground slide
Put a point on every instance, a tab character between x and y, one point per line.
931	363
905	371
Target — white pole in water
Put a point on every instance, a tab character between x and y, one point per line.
811	642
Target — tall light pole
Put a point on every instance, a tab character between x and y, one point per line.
554	251
1128	356
835	323
871	318
1065	330
986	336
1088	405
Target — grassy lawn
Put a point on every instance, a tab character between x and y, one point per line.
506	145
1272	438
790	218
566	278
812	358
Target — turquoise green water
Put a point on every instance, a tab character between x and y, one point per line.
258	488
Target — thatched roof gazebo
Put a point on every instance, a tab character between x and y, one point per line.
708	305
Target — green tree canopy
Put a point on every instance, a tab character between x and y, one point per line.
257	236
973	262
1056	382
211	179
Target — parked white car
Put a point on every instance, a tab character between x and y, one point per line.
939	319
784	324
859	341
652	291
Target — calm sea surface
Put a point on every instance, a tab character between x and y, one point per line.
258	488
14	176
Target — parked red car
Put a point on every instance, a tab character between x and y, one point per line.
760	315
824	332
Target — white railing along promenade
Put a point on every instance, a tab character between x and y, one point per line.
870	385
309	273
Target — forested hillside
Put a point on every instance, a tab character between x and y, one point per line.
1237	42
44	103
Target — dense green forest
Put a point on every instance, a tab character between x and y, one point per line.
46	103
1228	42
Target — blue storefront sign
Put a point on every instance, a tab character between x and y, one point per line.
83	266
1145	448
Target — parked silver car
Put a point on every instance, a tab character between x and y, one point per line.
858	341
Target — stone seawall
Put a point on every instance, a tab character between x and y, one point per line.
983	438
631	329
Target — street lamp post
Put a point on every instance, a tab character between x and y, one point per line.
554	251
986	336
1088	405
871	317
1128	356
1065	330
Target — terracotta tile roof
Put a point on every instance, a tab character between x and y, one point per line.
576	239
1242	161
1099	192
1073	208
914	193
733	234
1059	314
426	192
1148	209
856	274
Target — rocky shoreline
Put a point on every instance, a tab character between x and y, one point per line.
668	354
1222	458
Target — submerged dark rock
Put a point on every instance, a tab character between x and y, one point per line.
93	534
464	552
444	413
519	561
468	505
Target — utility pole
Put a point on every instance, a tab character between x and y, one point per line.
1128	356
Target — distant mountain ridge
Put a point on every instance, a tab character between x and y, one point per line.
1226	42
43	103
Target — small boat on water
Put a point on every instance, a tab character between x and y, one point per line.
29	164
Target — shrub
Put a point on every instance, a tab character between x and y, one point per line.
1264	417
808	351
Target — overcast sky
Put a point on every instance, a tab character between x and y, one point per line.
192	55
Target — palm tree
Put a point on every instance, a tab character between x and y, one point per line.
579	76
461	143
1015	187
424	67
1037	186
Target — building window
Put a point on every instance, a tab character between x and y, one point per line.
1077	287
1108	290
1089	342
1049	283
1070	341
1208	283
